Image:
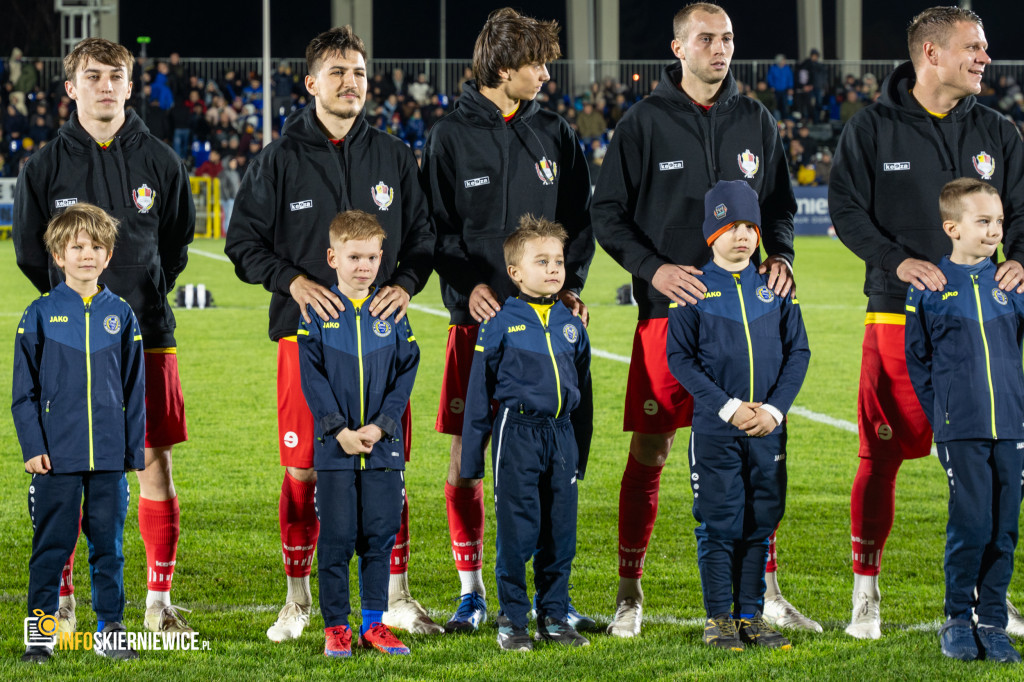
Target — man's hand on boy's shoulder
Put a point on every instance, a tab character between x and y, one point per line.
388	300
680	283
1010	274
325	302
483	303
40	464
571	300
780	275
921	274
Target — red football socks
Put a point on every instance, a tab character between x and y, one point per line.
299	526
466	525
638	509
159	524
872	510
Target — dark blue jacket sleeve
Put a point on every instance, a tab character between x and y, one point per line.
918	347
796	355
582	417
25	407
681	349
325	406
396	397
133	386
483	379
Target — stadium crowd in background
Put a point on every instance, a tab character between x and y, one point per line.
224	114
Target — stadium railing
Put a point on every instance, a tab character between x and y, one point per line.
445	74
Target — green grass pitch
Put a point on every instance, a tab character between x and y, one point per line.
228	479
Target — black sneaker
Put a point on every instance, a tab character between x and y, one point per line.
512	638
112	642
720	631
559	631
997	645
37	654
755	631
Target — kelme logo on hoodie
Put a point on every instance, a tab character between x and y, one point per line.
64	203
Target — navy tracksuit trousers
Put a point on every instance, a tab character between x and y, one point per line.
360	511
739	496
535	500
985	479
54	503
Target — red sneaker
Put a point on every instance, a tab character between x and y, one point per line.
338	641
379	637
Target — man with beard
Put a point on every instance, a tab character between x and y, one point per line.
327	160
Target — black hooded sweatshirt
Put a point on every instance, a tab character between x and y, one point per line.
667	152
890	165
482	175
295	187
139	181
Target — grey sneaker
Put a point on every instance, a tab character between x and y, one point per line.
720	631
511	638
112	642
559	631
37	654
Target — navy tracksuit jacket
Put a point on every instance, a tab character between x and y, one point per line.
357	370
538	373
963	348
741	342
79	397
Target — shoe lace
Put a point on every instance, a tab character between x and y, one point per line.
866	606
468	603
382	633
171	613
339	637
726	627
291	610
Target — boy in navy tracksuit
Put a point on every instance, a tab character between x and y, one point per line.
963	346
533	360
357	375
742	353
79	408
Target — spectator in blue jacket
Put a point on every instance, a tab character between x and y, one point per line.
963	347
780	79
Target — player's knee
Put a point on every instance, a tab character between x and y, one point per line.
302	475
651	449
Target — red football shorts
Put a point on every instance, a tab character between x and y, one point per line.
458	360
889	415
655	401
295	423
165	404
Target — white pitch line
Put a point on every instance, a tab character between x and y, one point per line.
624	359
215	256
823	418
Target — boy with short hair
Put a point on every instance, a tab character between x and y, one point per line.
533	360
79	409
742	353
963	347
357	375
